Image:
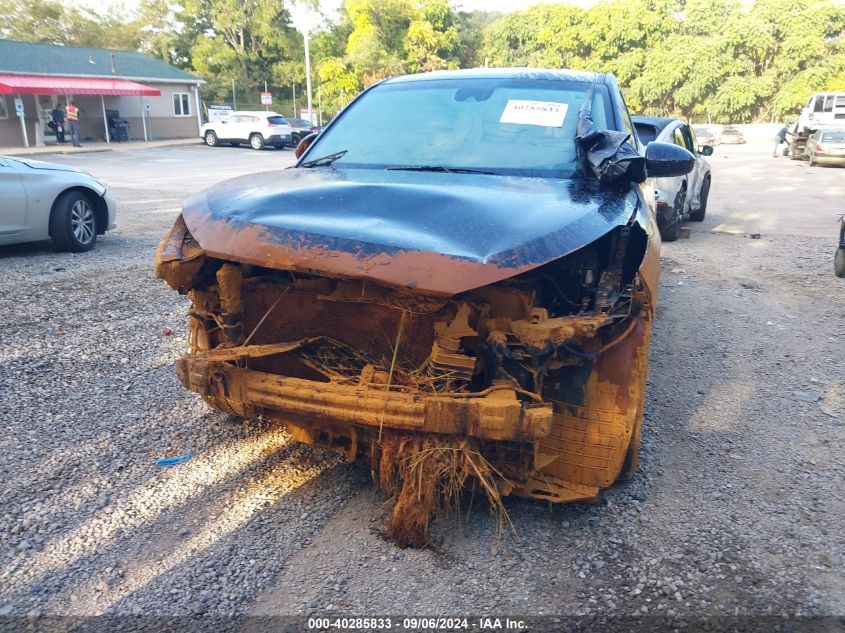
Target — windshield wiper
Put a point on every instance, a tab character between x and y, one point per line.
323	160
440	168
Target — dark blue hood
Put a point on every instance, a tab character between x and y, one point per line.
439	232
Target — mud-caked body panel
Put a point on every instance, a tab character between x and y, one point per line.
539	376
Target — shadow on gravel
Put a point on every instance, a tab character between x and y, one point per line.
109	244
206	508
228	547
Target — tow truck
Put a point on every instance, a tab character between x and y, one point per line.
822	110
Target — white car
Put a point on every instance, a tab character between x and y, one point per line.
258	128
41	201
680	197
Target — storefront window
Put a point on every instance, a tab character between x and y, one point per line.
181	104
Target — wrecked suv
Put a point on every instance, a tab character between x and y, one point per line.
463	295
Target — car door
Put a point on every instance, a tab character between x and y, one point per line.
683	138
227	129
13	202
250	124
696	176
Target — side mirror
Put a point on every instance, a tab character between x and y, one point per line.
666	160
304	144
706	150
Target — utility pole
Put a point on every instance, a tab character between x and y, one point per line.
308	73
293	87
265	90
234	99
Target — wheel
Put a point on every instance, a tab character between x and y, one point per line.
839	262
256	141
294	139
698	214
73	222
210	138
632	455
671	228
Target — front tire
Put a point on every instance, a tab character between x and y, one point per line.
211	138
698	214
256	141
839	262
73	223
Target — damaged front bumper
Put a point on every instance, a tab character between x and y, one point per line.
538	380
495	415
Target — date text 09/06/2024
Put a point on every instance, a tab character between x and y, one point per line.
418	624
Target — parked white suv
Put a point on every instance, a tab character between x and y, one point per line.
258	128
823	110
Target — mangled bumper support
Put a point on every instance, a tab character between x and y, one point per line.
495	414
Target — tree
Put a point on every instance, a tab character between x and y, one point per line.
247	40
51	22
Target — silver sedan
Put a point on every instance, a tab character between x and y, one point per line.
40	201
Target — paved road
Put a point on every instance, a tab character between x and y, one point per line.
755	193
752	192
150	184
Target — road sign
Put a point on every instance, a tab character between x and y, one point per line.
218	111
19	106
266	98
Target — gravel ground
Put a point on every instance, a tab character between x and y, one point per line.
736	510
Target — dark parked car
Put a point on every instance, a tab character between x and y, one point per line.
463	294
300	128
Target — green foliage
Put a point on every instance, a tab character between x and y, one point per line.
50	22
730	60
725	59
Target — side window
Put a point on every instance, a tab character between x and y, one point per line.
627	123
828	103
693	140
819	105
678	137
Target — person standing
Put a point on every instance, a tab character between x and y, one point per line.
780	137
73	123
59	122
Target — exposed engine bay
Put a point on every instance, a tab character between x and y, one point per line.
532	385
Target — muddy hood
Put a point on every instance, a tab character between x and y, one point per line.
441	233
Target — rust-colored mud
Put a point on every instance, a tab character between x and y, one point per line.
532	386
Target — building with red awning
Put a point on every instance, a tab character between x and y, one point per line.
121	95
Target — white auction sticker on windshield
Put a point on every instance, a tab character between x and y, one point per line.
524	112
